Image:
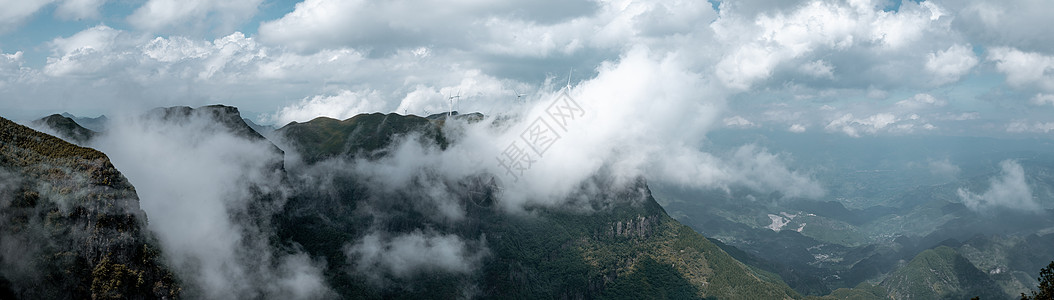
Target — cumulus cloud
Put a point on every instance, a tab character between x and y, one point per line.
11	67
748	166
950	64
1007	191
414	61
760	44
1024	68
852	126
319	24
340	106
1011	22
209	193
883	122
87	53
796	128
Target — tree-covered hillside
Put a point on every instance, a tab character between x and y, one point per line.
616	242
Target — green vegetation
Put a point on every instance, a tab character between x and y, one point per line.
863	291
76	222
111	280
15	137
651	280
366	135
940	273
625	247
553	254
1046	285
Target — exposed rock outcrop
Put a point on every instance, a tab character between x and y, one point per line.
70	224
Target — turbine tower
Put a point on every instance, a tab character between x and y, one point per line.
452	99
569	78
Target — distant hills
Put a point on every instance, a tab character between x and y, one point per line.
66	127
940	273
97	124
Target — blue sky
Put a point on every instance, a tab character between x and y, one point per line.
856	68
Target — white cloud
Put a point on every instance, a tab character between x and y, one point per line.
1004	22
11	67
818	68
14	13
760	46
738	122
920	101
89	52
948	116
341	106
198	182
1024	68
853	127
410	254
1042	99
79	9
796	128
1022	126
1008	191
951	64
748	166
193	15
878	123
499	27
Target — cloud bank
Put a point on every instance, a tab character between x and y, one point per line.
1007	191
209	194
414	253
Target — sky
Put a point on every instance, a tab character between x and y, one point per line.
856	68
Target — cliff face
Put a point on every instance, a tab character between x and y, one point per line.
70	224
641	227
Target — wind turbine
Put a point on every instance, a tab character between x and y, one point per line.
450	112
569	78
519	95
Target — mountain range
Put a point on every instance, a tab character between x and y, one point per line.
623	246
439	236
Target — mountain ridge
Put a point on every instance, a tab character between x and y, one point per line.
625	242
76	223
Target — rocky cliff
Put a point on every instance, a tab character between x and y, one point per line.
70	225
